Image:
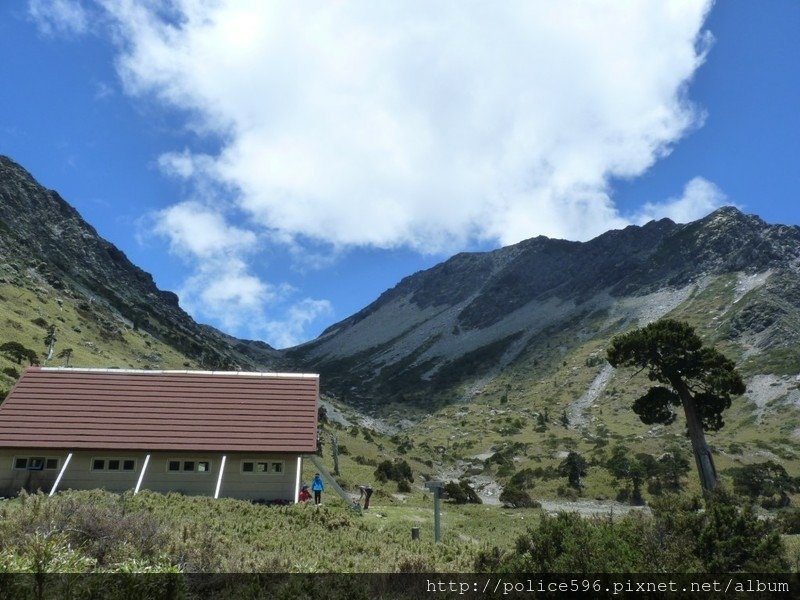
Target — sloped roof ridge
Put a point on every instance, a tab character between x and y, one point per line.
177	372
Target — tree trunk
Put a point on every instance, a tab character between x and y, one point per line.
335	449
702	454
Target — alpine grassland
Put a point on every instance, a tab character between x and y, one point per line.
96	532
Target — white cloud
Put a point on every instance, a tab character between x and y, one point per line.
59	17
222	287
224	291
699	198
290	330
420	124
195	231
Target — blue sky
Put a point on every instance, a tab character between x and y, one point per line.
280	166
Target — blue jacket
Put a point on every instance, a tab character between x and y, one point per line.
317	484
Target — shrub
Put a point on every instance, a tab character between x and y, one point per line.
517	498
18	353
395	471
461	492
763	479
573	467
733	538
101	525
789	521
11	372
569	543
725	537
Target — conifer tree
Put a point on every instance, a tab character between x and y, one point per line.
693	376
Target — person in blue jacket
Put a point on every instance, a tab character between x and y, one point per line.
317	487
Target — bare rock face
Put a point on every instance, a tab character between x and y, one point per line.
40	230
443	334
476	314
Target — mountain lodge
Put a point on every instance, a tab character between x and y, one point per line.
231	434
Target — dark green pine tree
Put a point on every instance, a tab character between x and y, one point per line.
698	378
573	467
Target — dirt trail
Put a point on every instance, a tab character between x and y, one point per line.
590	508
577	409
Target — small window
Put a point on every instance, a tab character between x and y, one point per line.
113	464
189	466
262	466
52	463
36	464
21	463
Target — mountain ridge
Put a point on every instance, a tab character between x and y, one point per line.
43	232
484	365
498	303
442	334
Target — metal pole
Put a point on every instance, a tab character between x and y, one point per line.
219	479
297	479
60	474
141	475
437	519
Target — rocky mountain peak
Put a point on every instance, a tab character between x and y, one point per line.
479	311
41	231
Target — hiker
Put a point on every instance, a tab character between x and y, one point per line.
305	495
317	487
366	492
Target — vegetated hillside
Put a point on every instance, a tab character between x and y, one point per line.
489	365
494	363
55	270
442	333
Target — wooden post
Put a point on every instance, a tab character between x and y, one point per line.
436	487
335	449
415	533
437	515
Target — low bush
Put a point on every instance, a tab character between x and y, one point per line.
724	537
461	492
789	521
512	497
398	471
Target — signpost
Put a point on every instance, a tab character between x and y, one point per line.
436	487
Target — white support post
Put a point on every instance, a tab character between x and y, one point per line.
297	479
219	479
141	475
61	474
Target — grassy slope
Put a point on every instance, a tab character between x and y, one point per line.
98	336
556	371
202	534
548	378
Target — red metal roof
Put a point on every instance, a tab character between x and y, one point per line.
161	410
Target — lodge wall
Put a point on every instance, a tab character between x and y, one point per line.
248	476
